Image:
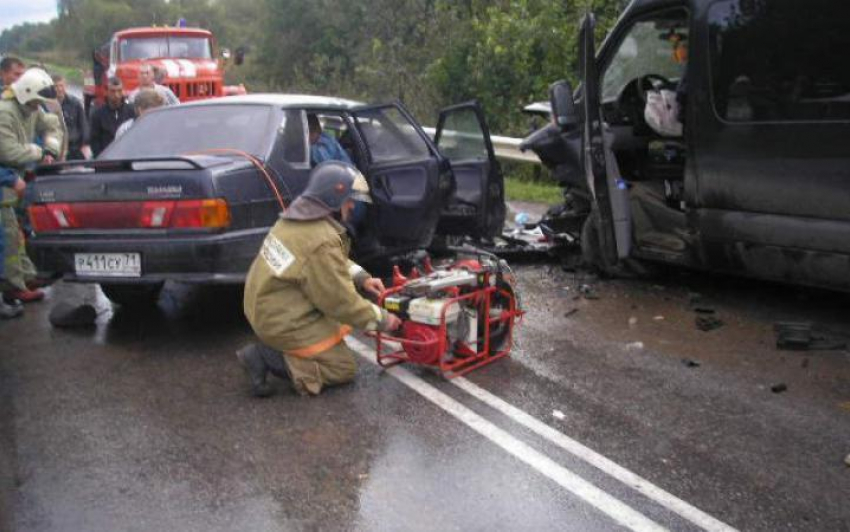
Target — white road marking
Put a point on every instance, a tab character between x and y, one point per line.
665	499
599	499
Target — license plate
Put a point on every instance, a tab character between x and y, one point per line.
108	264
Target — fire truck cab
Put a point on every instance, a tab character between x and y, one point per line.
186	57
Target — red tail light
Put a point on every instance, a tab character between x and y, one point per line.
203	213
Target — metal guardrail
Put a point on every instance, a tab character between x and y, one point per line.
505	148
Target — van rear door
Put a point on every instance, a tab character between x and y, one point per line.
477	207
773	141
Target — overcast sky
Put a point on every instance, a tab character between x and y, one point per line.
13	12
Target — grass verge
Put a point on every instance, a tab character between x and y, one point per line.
74	75
523	190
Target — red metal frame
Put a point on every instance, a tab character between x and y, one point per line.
462	363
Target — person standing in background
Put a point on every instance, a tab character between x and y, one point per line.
108	117
76	123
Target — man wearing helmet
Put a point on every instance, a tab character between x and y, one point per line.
21	120
301	294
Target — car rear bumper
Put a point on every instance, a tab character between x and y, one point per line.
205	258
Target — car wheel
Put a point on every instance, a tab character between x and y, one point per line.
132	295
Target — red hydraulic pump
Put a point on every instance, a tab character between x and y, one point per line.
454	318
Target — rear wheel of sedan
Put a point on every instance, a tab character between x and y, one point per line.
132	295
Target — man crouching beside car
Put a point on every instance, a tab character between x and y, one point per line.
300	295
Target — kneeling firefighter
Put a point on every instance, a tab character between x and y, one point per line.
301	294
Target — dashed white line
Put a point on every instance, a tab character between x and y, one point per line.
599	499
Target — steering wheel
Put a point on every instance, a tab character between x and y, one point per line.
651	82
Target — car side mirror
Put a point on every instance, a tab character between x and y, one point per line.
563	107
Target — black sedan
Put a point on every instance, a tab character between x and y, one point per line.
189	192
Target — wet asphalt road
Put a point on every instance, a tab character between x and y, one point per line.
144	421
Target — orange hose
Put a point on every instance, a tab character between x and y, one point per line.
256	162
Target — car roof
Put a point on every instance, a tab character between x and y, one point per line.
283	100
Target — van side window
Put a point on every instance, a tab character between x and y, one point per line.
779	61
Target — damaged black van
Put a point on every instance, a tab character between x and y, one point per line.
747	169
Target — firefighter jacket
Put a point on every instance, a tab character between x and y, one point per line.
300	296
19	126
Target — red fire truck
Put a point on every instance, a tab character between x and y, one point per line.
185	56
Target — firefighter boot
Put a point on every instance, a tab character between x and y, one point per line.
274	362
256	370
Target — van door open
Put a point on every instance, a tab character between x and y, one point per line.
606	237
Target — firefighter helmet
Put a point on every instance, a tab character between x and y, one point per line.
333	182
34	85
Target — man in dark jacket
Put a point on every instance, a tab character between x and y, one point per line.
76	123
106	118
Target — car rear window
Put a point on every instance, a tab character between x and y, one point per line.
780	61
179	130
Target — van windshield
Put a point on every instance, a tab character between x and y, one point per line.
179	130
179	47
649	47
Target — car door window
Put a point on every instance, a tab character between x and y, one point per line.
292	137
650	46
461	137
390	136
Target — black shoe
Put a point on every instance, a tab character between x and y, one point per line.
255	368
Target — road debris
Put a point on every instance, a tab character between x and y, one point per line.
570	312
658	318
588	291
634	346
847	460
690	363
779	388
801	336
708	322
557	414
632	322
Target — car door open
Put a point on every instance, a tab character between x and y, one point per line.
477	207
403	173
